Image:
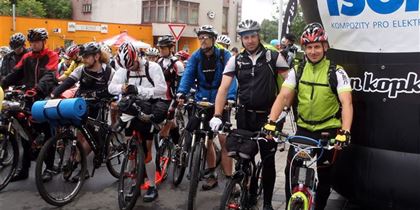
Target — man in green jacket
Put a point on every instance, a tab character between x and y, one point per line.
324	104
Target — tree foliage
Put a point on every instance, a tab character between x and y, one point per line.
269	28
38	8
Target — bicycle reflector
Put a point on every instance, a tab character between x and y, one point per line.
298	201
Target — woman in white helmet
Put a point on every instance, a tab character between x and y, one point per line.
224	41
152	54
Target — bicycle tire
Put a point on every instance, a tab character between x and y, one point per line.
195	175
9	140
52	142
165	156
259	179
136	148
115	148
229	192
178	169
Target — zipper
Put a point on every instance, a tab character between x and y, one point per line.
252	83
36	72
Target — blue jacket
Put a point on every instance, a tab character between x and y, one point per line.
194	71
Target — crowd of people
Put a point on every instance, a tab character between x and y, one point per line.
261	81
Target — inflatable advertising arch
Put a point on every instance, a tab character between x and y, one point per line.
378	43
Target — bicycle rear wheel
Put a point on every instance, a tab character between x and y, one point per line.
131	176
180	158
64	157
195	175
115	148
9	156
234	196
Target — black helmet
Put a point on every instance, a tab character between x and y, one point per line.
166	41
17	40
37	34
89	48
247	26
207	29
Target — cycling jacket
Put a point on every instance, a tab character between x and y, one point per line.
206	88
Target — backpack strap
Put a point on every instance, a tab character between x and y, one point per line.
146	68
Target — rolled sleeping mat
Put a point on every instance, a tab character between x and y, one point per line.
59	109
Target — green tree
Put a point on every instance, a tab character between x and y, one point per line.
269	29
28	8
60	9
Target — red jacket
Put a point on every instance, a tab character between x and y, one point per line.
35	70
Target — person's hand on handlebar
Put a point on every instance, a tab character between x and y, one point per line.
216	123
342	139
269	129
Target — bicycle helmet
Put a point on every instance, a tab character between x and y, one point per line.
248	26
166	41
207	29
17	40
106	49
127	55
152	51
72	51
89	48
223	39
4	50
182	55
313	32
37	34
274	42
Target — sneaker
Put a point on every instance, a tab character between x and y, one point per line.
76	178
210	184
20	174
150	195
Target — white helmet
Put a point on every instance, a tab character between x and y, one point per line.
223	39
152	51
127	55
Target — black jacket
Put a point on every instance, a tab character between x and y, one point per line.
9	62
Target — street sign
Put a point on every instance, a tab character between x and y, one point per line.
176	30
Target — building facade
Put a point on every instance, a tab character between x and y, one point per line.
224	15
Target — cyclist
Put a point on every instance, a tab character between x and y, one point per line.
17	44
257	70
146	80
224	41
289	49
37	70
206	66
172	69
3	51
320	90
94	77
72	53
183	56
152	54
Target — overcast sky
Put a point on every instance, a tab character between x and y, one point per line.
257	9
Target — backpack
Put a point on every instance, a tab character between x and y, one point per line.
146	68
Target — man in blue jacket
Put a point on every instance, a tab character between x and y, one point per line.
206	66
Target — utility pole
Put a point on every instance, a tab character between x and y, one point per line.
14	14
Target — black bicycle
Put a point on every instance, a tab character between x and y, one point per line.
70	164
15	125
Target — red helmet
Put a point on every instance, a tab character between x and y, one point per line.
183	55
127	55
313	32
72	51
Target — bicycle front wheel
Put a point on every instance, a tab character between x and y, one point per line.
115	148
9	155
195	175
62	156
234	195
131	176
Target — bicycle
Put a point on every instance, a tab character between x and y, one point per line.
304	181
70	164
132	175
15	125
247	172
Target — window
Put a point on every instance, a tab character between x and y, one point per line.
87	8
185	12
158	11
225	19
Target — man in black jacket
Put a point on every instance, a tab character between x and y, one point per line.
17	44
36	70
